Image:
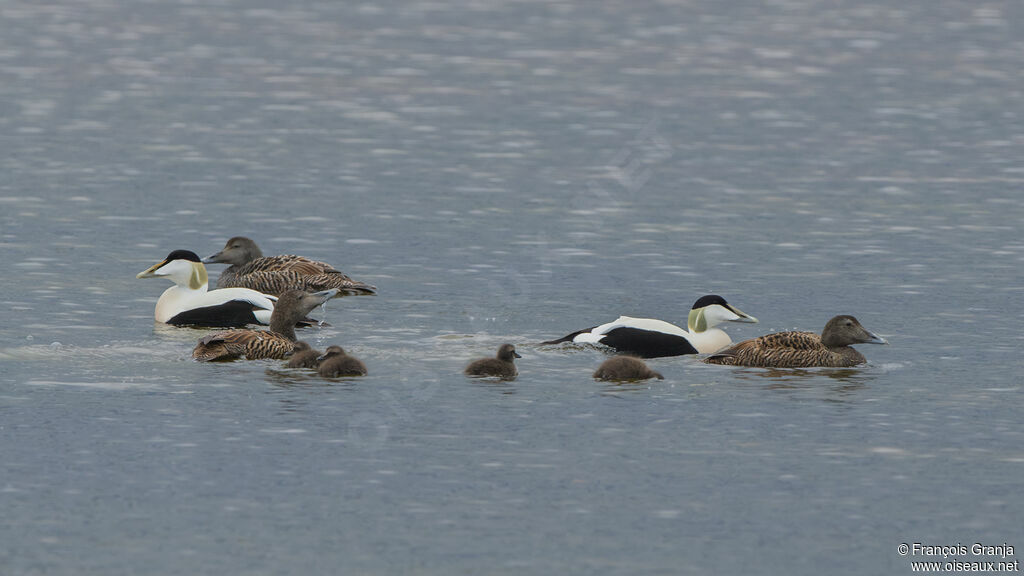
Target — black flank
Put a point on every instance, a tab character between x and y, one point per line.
647	343
232	314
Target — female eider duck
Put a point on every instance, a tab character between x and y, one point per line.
190	302
650	338
277	343
275	274
502	365
802	349
625	368
303	356
336	362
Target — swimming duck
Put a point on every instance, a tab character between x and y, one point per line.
303	356
802	349
277	343
249	268
622	368
502	365
336	362
650	338
190	302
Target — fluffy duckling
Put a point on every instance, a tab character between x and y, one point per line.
802	349
650	338
502	365
303	356
249	268
336	362
277	343
625	368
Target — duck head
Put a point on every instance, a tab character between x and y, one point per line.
711	310
237	251
181	267
507	352
845	330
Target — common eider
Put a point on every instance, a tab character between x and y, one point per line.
190	302
802	349
625	368
502	365
650	338
249	268
336	362
277	343
303	356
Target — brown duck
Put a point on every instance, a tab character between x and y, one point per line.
277	343
249	268
802	349
502	365
303	356
625	368
336	362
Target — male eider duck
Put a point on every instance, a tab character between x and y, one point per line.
190	302
275	274
277	343
501	365
802	349
303	356
625	368
336	362
650	338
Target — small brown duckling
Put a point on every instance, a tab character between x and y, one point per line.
335	362
303	356
501	365
625	368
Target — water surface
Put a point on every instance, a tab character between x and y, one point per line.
512	172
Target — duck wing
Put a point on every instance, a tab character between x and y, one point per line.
226	345
779	350
275	274
233	344
298	264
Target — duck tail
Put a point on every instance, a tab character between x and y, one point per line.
567	337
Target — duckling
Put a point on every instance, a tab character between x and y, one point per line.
622	368
249	268
502	365
802	349
277	343
336	362
650	338
303	356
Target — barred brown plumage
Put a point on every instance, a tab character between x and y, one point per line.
275	274
501	365
622	368
802	349
277	343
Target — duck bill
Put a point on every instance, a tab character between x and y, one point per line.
742	316
151	272
325	295
213	258
516	354
875	339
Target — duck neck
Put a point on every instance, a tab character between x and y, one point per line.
710	340
850	356
284	325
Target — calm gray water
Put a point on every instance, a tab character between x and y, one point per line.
511	171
